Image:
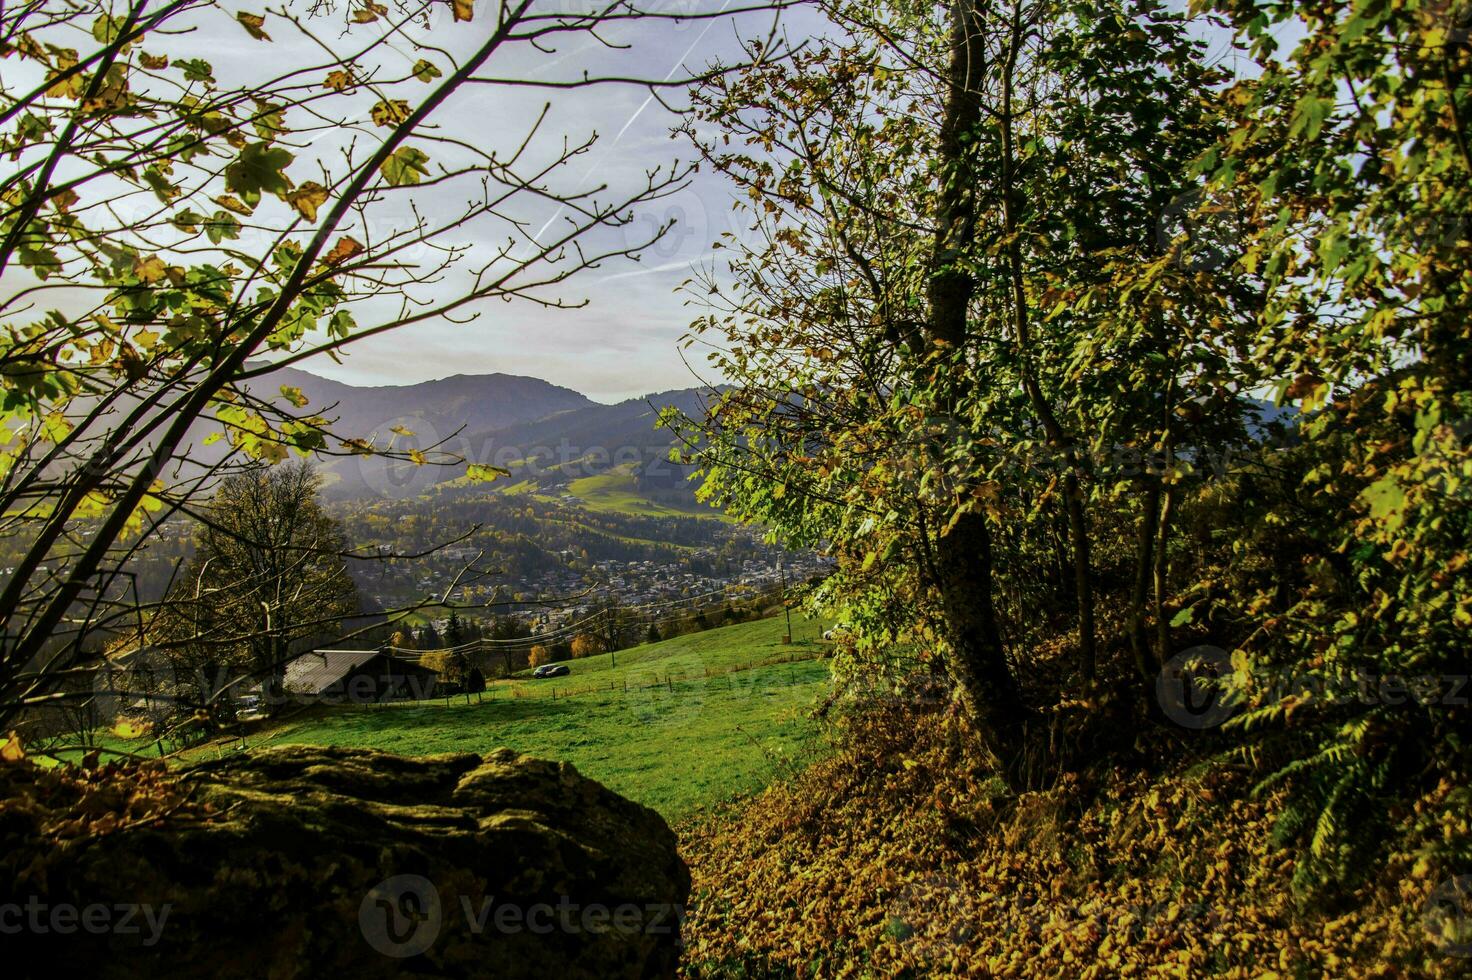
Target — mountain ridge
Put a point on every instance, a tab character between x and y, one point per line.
543	432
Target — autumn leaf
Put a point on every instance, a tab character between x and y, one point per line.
232	203
347	246
308	198
293	395
485	473
338	81
1303	386
12	750
369	12
425	71
390	112
253	24
155	62
71	86
150	270
464	9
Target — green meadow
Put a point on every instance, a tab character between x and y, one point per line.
676	725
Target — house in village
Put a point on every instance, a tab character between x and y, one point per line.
357	677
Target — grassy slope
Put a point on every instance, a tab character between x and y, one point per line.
687	732
618	492
692	655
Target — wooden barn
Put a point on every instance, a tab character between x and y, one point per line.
357	677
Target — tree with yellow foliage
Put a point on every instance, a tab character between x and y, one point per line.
586	645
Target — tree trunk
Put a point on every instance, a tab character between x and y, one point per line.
963	556
1146	661
978	660
1162	571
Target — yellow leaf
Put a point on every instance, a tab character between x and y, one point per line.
149	270
484	473
232	203
12	750
338	80
464	9
369	12
307	199
390	112
253	24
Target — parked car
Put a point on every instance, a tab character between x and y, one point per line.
249	708
551	670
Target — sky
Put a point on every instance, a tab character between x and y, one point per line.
624	340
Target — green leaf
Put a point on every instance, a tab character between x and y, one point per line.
1387	500
341	324
188	220
405	167
259	169
105	29
1309	115
222	226
196	70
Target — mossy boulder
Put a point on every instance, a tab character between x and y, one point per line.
305	861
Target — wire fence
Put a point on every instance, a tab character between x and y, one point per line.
528	689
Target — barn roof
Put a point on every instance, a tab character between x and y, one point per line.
313	673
